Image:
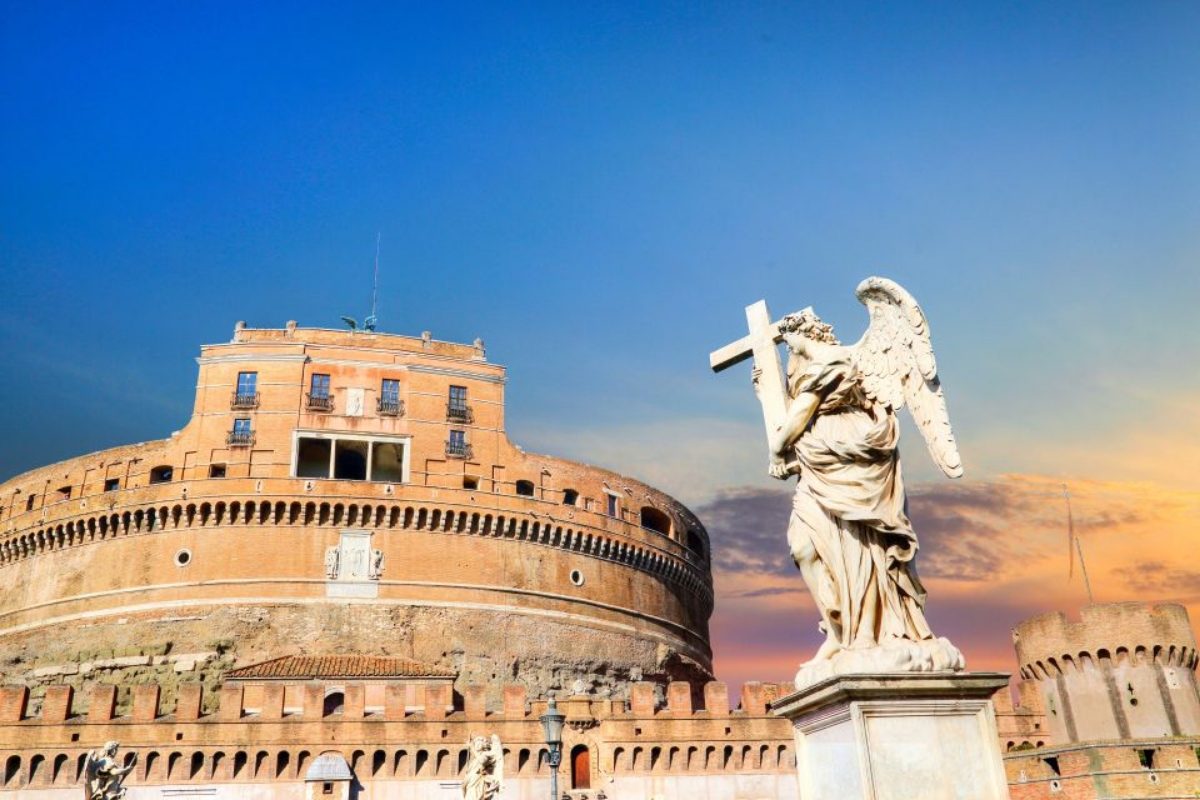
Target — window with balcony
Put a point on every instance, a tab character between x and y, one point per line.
246	393
241	435
456	445
319	398
389	399
457	408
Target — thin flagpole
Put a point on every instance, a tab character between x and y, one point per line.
1073	539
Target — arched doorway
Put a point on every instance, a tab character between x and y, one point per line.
581	767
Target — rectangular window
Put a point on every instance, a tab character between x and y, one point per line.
349	458
112	484
216	470
64	493
456	445
246	393
458	398
241	427
241	435
319	386
614	505
389	398
29	502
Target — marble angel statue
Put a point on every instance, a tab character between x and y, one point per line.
102	774
484	776
849	532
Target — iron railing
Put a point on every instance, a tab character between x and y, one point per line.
240	439
459	413
390	407
244	400
458	449
319	401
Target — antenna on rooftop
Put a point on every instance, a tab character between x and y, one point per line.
370	321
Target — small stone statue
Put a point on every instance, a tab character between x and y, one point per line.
376	564
484	777
102	776
333	556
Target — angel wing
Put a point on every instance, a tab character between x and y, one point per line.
89	772
498	756
895	357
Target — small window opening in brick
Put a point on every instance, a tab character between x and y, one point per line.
654	520
1146	757
216	470
327	787
74	737
570	497
64	493
525	488
161	474
1052	763
470	482
29	502
112	484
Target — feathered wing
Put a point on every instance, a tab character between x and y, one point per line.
895	357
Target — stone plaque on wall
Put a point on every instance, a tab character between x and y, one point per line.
354	573
355	402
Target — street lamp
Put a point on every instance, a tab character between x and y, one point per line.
552	725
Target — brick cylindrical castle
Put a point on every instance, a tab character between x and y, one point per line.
350	493
1125	670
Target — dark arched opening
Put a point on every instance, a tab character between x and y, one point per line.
581	767
655	520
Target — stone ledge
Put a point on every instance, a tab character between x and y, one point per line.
841	689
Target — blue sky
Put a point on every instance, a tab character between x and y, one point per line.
598	191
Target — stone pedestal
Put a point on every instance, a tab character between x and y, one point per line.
898	736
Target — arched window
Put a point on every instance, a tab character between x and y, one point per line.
334	702
525	488
162	474
655	520
581	767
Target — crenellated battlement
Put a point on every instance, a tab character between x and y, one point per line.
1119	633
263	731
262	701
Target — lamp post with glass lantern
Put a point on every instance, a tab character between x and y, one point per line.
552	725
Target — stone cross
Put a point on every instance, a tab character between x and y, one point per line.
760	344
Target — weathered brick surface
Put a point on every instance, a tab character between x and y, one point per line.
145	703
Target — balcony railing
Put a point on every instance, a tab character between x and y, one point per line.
320	401
459	413
244	400
390	407
458	450
240	438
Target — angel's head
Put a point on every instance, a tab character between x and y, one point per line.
805	326
110	748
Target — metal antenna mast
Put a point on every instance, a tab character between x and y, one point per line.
369	322
1078	547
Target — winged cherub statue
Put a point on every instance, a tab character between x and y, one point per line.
849	532
484	776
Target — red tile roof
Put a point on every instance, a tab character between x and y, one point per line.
338	667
